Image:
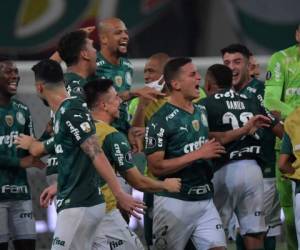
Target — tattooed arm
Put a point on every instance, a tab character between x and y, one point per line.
92	148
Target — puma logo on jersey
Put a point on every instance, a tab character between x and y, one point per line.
183	128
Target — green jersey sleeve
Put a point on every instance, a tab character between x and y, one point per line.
274	85
286	146
49	145
155	136
79	125
117	148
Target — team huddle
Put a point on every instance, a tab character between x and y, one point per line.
211	151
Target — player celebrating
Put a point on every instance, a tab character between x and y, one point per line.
79	202
176	146
226	111
16	214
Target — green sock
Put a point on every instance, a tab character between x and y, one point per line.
239	242
270	243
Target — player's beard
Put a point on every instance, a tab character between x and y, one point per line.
121	54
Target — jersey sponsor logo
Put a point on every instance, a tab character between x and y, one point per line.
85	126
196	125
199	190
292	91
20	118
228	94
9	120
73	130
172	115
268	75
245	150
115	244
58	241
58	149
128	78
118	80
14	189
160	136
9	139
118	153
194	145
219	226
236	105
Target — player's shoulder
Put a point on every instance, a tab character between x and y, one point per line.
166	113
103	128
285	53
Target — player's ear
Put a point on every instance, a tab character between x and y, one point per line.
175	84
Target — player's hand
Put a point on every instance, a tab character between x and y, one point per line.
172	184
130	205
47	196
276	114
88	29
256	122
148	93
30	161
24	141
210	149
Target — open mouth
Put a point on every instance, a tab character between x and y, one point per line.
13	86
123	45
197	86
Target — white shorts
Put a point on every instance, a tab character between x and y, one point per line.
271	206
16	220
124	184
176	221
239	188
75	227
113	233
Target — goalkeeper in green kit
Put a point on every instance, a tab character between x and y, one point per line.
282	95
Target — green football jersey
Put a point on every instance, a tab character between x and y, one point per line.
177	132
15	119
255	89
77	177
282	91
228	110
121	75
74	84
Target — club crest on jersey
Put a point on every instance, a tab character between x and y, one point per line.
20	118
196	125
9	120
85	126
118	81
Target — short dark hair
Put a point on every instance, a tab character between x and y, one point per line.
236	48
70	45
48	71
221	74
172	68
94	89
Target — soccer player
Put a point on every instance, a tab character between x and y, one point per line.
238	58
79	202
113	64
103	101
226	111
282	94
16	215
176	144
